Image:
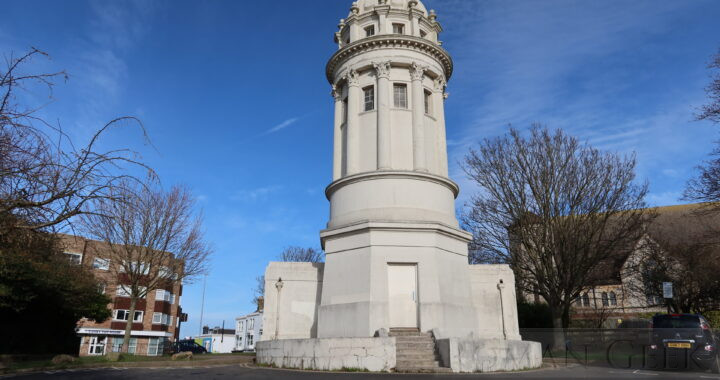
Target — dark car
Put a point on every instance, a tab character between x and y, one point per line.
683	341
188	345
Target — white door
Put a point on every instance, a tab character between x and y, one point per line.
402	295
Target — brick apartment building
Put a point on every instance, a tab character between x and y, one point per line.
157	317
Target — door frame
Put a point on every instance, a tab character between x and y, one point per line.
417	288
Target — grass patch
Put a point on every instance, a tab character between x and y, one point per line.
353	369
91	361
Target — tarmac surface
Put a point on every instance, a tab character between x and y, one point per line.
250	372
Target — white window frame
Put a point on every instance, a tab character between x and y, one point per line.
369	30
398	101
93	345
74	258
164	295
368	98
136	319
427	100
167	273
101	264
157	318
122	291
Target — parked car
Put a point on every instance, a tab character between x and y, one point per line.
683	341
188	345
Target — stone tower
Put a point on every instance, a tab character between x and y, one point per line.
396	257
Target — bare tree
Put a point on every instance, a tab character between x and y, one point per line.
298	254
706	186
554	209
153	238
44	180
259	291
711	111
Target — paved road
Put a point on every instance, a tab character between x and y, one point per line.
251	373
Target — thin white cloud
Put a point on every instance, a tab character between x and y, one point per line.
282	125
255	195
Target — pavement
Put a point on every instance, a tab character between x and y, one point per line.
249	372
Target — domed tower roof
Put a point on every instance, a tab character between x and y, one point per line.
369	5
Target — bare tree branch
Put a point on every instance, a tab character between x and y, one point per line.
553	209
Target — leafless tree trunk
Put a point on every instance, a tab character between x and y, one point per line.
154	238
554	209
45	180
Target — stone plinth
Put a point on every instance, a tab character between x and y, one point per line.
371	354
489	355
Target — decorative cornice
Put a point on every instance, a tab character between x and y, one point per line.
352	77
382	69
404	174
417	71
386	41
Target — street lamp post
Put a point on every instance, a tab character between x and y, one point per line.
501	286
278	286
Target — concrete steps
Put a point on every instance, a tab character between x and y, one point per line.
416	352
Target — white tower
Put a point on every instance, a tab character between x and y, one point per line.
396	257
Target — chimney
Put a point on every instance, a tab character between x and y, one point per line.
260	304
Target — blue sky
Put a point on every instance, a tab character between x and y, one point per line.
234	98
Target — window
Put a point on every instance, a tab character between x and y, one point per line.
97	345
613	299
164	295
156	346
136	267
125	291
423	34
399	28
251	324
369	98
586	300
400	96
74	258
132	346
249	340
167	273
428	102
122	315
116	344
370	31
605	299
102	264
162	319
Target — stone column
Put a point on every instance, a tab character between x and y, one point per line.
382	70
439	97
353	121
417	73
337	142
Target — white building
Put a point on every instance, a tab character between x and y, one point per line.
396	257
248	330
217	340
